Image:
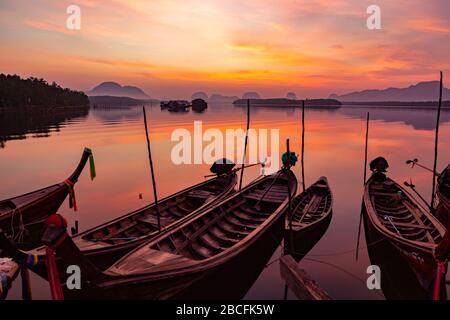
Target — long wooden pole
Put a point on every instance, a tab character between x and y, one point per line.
245	144
303	145
288	165
364	182
151	169
366	147
436	140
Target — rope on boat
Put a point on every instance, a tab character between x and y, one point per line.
389	218
288	251
331	265
22	230
344	271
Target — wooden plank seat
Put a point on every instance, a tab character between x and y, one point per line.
200	194
261	195
152	220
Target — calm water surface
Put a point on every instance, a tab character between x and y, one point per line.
34	155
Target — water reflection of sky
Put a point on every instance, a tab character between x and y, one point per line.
334	148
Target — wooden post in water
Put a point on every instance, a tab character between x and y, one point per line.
366	148
151	169
245	144
364	182
303	145
436	140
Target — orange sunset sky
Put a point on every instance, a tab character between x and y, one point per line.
173	48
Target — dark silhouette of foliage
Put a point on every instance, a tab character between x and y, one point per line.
17	92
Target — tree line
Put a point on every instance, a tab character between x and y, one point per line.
18	92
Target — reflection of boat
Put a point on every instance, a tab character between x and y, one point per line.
311	212
443	194
202	251
395	217
22	217
106	243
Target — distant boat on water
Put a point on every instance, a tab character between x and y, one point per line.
175	105
199	105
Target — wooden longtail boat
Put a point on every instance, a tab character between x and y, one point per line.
311	216
23	216
399	281
198	257
106	243
394	216
443	195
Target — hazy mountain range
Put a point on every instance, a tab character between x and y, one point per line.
422	91
116	90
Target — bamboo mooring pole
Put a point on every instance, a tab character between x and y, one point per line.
366	148
303	145
364	183
436	140
245	144
151	169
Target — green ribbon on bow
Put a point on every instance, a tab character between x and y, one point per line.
91	163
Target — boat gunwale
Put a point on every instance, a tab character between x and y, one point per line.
58	188
99	247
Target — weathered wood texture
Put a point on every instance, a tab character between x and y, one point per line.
301	284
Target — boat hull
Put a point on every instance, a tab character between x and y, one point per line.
104	256
405	272
229	280
299	243
32	215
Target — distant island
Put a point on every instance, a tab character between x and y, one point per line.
411	104
114	89
218	98
422	91
16	92
113	101
283	102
